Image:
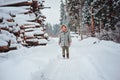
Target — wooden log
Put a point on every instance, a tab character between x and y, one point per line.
4	48
32	37
38	34
10	20
34	5
1	20
17	33
12	48
32	43
26	3
5	29
28	12
44	44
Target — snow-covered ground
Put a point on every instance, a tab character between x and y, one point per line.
90	59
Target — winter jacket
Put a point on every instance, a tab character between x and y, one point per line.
64	38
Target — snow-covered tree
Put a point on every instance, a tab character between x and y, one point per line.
56	29
63	13
52	30
104	13
73	12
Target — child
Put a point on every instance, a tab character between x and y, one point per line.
65	41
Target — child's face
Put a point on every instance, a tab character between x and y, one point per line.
64	28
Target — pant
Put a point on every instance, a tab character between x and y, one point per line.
65	51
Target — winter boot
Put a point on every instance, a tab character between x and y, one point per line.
63	56
68	56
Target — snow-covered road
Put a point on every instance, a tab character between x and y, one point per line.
88	61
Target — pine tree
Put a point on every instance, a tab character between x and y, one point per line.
103	11
97	14
73	11
62	13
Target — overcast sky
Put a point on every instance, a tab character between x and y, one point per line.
53	14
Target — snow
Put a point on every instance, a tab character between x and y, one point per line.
19	39
34	32
5	2
73	34
13	10
3	43
25	17
4	37
13	45
22	19
29	29
38	31
3	26
46	35
40	1
42	41
90	59
41	28
11	23
5	15
16	28
29	34
22	22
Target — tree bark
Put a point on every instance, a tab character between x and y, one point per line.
92	23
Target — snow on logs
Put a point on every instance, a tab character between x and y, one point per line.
20	25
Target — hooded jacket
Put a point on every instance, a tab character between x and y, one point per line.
64	38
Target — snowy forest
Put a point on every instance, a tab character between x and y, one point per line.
59	39
96	18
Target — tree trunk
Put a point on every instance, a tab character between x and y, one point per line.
92	23
34	5
80	25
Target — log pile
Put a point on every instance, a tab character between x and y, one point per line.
23	25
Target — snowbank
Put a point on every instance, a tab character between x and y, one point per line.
5	15
13	10
3	43
90	59
4	26
4	37
89	41
8	36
